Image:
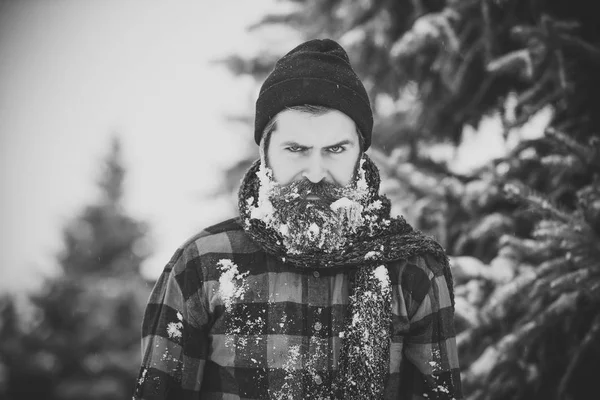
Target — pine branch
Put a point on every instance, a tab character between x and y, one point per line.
551	24
514	154
516	61
518	190
425	30
564	304
539	87
562	73
459	77
368	14
574	236
495	307
549	230
542	284
592	291
591	339
483	366
418	8
491	224
418	182
294	18
474	291
467	311
551	30
444	21
525	34
589	51
585	154
530	110
488	34
528	249
559	162
570	281
465	268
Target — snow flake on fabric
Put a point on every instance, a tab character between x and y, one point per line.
232	285
381	273
174	329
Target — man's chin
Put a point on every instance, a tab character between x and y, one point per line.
312	222
316	234
311	235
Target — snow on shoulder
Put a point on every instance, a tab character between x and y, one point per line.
231	282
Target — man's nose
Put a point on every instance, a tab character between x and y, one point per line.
315	170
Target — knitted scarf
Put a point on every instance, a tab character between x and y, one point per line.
364	354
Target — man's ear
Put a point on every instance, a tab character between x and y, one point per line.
262	151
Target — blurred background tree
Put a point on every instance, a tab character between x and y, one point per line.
81	337
523	229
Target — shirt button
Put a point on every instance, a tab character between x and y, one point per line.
317	326
318	379
316	274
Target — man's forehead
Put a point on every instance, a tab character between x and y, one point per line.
300	127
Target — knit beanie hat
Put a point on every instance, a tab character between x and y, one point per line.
317	72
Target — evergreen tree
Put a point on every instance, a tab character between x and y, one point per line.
84	343
523	231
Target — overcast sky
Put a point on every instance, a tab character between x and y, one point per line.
75	72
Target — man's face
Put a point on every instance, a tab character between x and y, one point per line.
312	201
316	147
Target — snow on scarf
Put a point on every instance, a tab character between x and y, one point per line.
364	355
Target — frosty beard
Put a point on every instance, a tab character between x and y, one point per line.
311	226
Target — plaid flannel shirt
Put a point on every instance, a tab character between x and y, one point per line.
279	335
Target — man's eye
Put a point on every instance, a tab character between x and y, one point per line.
295	149
336	149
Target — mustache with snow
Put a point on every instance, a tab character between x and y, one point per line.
307	224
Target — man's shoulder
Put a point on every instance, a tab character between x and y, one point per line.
226	237
427	265
228	225
432	263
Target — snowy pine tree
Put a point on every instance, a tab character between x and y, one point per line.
523	231
83	341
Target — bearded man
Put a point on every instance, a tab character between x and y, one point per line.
314	291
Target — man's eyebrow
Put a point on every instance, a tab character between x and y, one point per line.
292	143
341	143
296	144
